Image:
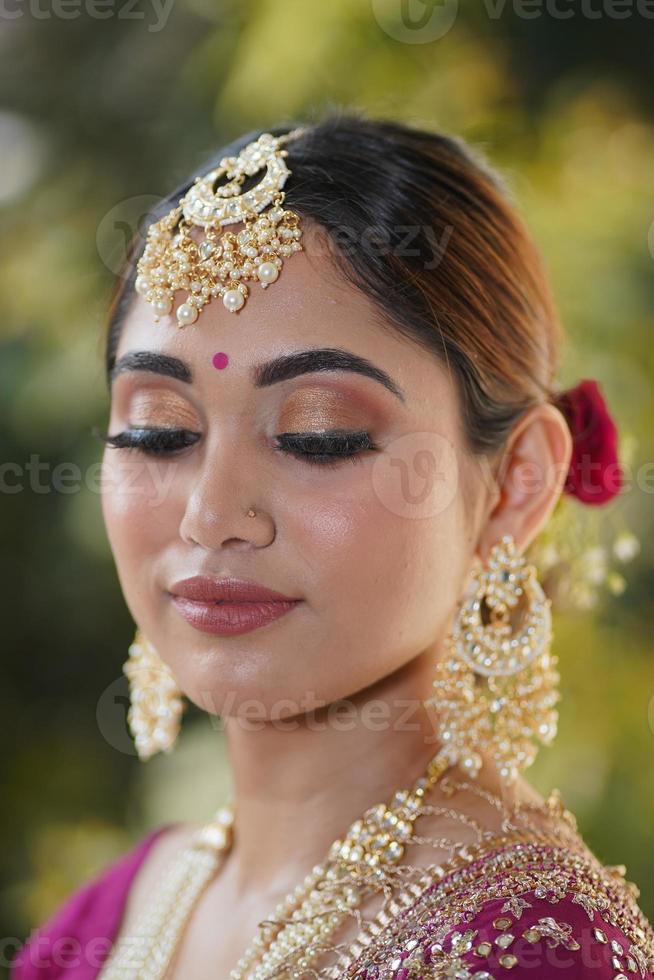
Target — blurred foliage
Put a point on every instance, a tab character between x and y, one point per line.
97	118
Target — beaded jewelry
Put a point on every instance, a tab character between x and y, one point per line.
184	250
299	927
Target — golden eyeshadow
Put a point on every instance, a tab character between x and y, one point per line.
162	408
318	408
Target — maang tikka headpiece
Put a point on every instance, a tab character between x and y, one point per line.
185	250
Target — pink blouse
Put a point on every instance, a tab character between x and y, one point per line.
528	910
75	942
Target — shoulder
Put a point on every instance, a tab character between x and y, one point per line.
531	910
79	933
524	935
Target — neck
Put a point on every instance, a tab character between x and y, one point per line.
299	784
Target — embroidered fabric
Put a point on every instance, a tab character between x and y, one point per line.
75	941
523	897
511	892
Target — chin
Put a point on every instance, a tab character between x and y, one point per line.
236	687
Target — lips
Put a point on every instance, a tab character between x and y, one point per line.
228	606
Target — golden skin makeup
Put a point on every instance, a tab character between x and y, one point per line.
310	408
317	409
161	408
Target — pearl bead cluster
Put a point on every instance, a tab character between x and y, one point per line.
147	954
214	267
156	703
294	935
185	251
495	688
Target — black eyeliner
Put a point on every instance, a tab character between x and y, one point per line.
151	439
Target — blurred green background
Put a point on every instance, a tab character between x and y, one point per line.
99	117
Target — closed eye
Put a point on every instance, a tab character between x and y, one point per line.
326	448
317	449
154	441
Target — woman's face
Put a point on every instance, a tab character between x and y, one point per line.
376	546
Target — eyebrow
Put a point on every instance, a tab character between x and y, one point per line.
281	368
146	360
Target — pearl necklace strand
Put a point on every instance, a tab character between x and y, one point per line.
298	929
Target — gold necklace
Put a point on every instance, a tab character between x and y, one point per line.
297	931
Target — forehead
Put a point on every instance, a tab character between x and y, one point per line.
311	304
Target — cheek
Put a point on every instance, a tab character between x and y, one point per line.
139	511
385	578
375	560
394	532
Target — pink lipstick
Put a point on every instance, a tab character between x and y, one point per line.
228	606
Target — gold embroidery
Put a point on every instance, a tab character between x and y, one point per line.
516	906
536	866
428	926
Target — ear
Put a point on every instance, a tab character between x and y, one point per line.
529	479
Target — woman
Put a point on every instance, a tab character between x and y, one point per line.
318	496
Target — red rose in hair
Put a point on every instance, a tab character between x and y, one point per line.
595	475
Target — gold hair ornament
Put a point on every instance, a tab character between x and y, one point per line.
185	251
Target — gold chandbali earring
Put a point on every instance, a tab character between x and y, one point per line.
496	685
184	250
156	705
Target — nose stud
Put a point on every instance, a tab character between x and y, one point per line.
251	513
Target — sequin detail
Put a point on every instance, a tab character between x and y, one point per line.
530	909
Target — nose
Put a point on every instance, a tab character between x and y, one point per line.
216	512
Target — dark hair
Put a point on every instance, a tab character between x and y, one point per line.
483	304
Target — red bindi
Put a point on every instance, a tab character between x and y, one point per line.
220	360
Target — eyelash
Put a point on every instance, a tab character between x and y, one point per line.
334	447
342	446
155	442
